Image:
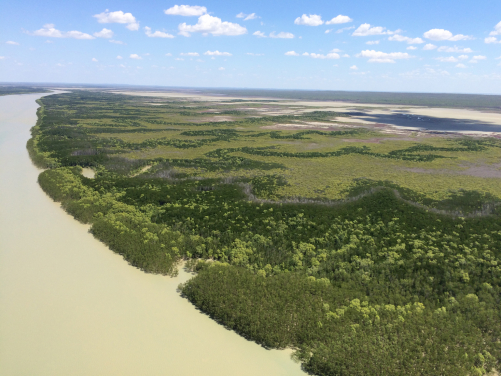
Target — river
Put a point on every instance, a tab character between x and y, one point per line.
70	306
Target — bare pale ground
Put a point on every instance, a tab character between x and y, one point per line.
144	169
70	306
190	96
88	172
483	116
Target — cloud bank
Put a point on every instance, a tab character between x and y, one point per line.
441	34
383	57
186	10
49	30
118	17
339	20
156	34
208	24
311	20
365	30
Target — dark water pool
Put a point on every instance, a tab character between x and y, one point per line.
430	123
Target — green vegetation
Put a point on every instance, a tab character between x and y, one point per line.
12	90
340	252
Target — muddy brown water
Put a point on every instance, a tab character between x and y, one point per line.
70	306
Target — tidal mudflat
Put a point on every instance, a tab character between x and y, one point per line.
70	306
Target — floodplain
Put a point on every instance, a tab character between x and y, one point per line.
366	246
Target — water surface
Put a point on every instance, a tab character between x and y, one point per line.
430	123
70	306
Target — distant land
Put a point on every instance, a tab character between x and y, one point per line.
451	100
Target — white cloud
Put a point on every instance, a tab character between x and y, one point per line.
118	17
497	29
168	54
450	59
328	31
50	31
291	53
441	34
179	59
221	68
12	43
186	10
331	55
119	57
157	34
208	24
489	40
247	17
339	20
311	20
189	54
259	34
116	41
94	60
2	57
371	42
429	47
455	49
345	28
438	34
354	67
105	33
135	56
401	38
475	59
217	53
253	54
460	65
383	57
412	48
346	55
458	37
366	30
463	57
282	34
78	35
428	73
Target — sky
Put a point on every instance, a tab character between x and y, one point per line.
387	45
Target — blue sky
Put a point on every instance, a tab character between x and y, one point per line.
425	46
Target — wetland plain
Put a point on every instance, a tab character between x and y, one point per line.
326	227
